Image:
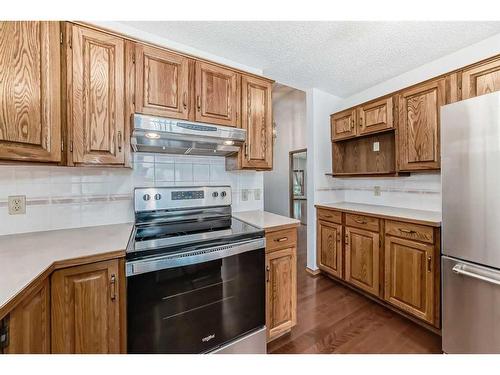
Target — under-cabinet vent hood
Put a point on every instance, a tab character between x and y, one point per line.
171	136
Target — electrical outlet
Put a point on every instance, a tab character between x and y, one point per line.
244	194
256	194
376	191
376	146
17	204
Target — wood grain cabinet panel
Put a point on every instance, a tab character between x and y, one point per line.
375	116
281	292
329	248
29	323
362	252
409	277
162	83
343	124
98	97
85	309
257	121
217	95
30	119
481	79
419	109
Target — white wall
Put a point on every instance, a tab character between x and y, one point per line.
320	188
289	114
64	197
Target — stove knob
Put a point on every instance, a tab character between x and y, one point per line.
146	197
223	194
215	194
157	196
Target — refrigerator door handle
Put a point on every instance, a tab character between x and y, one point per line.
466	270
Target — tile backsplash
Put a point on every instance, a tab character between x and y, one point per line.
63	197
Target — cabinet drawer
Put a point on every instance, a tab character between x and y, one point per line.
362	222
329	215
281	239
410	231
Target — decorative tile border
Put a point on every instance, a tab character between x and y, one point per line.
41	201
382	189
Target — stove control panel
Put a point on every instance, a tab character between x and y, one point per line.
164	198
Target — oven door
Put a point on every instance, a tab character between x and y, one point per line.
195	302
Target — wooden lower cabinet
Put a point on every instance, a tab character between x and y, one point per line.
29	323
362	253
410	277
85	308
281	291
329	247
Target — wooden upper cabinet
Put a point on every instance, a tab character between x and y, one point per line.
162	83
281	291
409	276
217	95
375	116
257	121
343	124
30	110
481	79
362	254
29	323
85	309
330	248
98	127
419	109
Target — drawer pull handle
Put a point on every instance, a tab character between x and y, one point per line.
359	221
113	287
409	231
282	239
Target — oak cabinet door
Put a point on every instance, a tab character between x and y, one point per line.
343	124
217	95
419	126
162	83
29	323
85	309
30	97
409	276
330	248
257	121
375	116
362	254
481	79
281	291
98	97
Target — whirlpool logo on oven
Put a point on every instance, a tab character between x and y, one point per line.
208	338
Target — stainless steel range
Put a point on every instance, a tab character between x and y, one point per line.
195	275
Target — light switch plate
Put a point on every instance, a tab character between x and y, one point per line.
244	195
376	146
376	191
17	204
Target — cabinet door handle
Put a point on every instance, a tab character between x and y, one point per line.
429	264
198	102
112	283
119	141
282	239
361	121
352	124
184	100
267	274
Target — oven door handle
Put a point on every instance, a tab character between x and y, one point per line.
137	267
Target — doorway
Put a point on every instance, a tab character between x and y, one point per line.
298	178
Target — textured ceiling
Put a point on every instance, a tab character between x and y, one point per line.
339	57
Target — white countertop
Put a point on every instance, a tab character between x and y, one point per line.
421	216
25	256
265	220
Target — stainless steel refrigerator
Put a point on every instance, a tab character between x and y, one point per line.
470	172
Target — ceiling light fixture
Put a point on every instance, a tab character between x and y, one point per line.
152	135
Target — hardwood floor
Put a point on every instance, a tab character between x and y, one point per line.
331	318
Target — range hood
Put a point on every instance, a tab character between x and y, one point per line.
172	136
